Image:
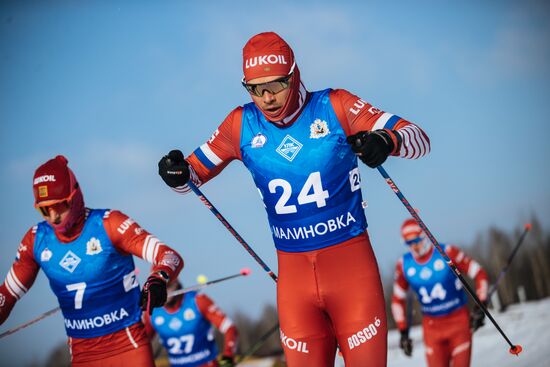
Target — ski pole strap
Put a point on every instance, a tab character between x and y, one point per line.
514	349
232	230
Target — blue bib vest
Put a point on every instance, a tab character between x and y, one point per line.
438	290
186	334
95	285
306	174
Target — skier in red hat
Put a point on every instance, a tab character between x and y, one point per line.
86	255
447	324
301	148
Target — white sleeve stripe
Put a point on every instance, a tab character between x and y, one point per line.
210	154
460	257
407	143
145	245
404	150
416	142
398	312
473	269
157	246
153	243
382	120
399	292
12	292
482	293
14	289
17	281
226	324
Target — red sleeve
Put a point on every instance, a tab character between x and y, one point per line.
355	115
223	323
129	238
208	160
20	277
471	267
399	296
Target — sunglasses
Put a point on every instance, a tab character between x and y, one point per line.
414	241
272	87
58	207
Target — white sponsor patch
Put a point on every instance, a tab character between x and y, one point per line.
189	314
439	265
130	281
171	260
93	246
289	148
411	272
46	255
264	60
159	320
258	141
125	225
425	273
70	261
97	321
175	324
45	178
362	336
318	229
292	344
318	129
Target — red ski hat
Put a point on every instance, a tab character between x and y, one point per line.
267	54
410	229
54	182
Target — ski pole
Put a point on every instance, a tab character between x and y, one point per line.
29	323
514	349
243	272
509	261
232	230
258	344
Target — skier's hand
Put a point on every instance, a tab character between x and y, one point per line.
477	317
174	169
406	343
153	293
373	147
226	361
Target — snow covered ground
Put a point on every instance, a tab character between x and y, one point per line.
527	324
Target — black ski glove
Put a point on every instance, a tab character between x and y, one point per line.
477	317
226	361
406	343
373	147
153	293
174	169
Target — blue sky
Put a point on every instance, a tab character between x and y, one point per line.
113	85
